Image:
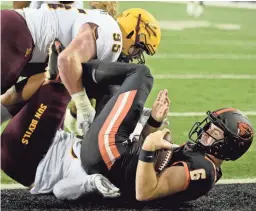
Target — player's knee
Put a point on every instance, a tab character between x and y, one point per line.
146	76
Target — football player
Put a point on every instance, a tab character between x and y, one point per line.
225	134
87	33
32	151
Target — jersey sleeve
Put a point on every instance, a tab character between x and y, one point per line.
108	35
107	48
201	176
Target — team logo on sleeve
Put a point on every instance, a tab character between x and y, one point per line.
28	52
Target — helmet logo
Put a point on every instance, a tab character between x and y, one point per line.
152	25
244	130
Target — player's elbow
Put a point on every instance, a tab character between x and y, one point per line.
146	76
142	196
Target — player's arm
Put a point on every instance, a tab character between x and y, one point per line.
20	4
80	50
23	90
150	186
159	112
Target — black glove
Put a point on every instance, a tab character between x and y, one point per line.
55	49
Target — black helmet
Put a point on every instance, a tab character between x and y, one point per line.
238	134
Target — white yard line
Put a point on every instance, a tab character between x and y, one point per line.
223	181
205	76
236	181
226	4
203	56
196	114
240	43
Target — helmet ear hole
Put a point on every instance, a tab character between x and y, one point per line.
129	36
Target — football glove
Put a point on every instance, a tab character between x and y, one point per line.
104	187
52	72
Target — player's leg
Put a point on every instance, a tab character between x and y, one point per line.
104	142
29	134
16	47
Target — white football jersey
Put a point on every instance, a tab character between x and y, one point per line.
57	21
37	4
61	161
61	171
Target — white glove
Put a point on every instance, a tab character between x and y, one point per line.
84	120
104	186
85	112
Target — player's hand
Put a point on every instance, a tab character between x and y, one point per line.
52	72
160	139
161	105
104	186
84	120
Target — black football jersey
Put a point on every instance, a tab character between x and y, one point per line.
200	170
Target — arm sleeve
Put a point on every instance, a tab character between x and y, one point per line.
108	48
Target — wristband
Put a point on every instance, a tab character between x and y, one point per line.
147	156
153	123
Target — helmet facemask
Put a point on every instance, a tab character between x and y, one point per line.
230	147
200	135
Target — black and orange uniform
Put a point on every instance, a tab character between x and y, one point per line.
201	172
29	134
106	147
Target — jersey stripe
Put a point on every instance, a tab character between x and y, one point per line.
215	171
106	137
225	110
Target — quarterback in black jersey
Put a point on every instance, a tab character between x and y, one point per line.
225	134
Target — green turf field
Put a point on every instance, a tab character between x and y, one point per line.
202	48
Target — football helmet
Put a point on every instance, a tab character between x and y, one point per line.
141	32
238	134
